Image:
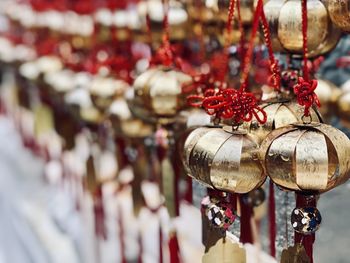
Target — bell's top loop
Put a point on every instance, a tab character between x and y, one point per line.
306	119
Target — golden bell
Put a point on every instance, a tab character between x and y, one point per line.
272	10
328	95
125	124
104	90
306	157
339	12
177	19
286	32
279	114
290	21
223	160
158	93
343	104
330	42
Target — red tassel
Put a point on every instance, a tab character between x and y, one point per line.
174	249
121	236
246	227
160	244
141	250
99	214
272	219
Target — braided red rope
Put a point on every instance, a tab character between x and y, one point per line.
249	54
231	11
219	67
304	89
275	78
241	31
229	103
304	30
234	104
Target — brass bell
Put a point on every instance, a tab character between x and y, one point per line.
125	124
223	160
328	95
290	21
272	10
104	90
343	104
177	18
306	157
285	22
158	94
279	114
339	13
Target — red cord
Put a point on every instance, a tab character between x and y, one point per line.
304	30
234	104
231	11
247	59
304	89
272	219
241	30
275	78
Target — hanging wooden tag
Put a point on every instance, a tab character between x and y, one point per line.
168	182
91	180
210	235
225	251
43	120
140	173
295	254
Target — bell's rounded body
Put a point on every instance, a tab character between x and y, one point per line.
285	22
290	21
223	160
339	11
328	95
272	10
158	93
125	124
343	104
307	157
279	114
103	91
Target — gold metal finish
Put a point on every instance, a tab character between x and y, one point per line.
224	161
311	157
339	12
158	93
279	114
328	95
290	25
272	9
344	108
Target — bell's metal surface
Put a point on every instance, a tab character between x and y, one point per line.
157	93
328	95
339	11
343	104
279	114
306	157
125	124
290	24
224	161
272	10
